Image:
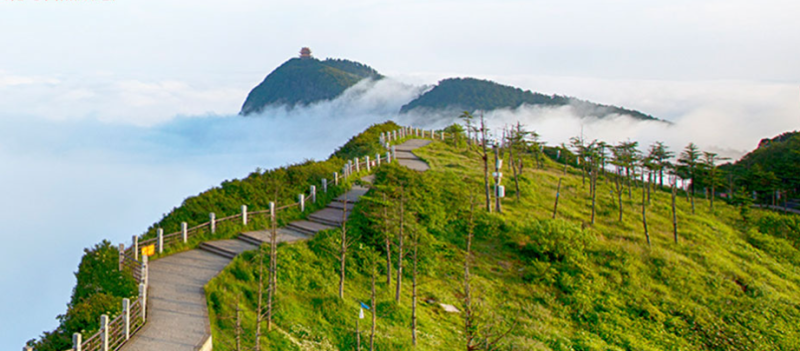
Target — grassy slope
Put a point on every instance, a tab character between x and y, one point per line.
565	287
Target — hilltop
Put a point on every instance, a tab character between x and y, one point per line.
556	284
306	80
470	94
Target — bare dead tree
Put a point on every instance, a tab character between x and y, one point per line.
388	239
259	307
485	165
343	250
674	213
644	207
415	242
399	279
558	188
372	305
273	261
469	328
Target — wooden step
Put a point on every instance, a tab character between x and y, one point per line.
216	250
227	248
353	195
259	237
340	205
307	227
329	216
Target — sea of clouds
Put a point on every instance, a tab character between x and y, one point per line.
87	162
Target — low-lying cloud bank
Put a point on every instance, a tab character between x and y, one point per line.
728	117
78	177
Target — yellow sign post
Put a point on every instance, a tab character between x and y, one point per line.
149	250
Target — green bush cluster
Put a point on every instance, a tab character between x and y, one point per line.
562	284
101	286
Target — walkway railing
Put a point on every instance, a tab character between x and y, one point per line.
113	334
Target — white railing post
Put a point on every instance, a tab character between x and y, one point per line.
394	152
324	185
358	168
160	232
335	178
388	156
302	199
143	300
272	212
121	256
126	310
136	247
313	191
244	214
367	161
185	232
104	330
212	222
77	340
145	269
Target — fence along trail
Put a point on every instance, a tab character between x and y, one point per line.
171	312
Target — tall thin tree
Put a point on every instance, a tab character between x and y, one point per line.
688	161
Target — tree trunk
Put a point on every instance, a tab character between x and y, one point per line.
399	279
486	167
674	213
713	176
593	189
649	185
259	308
619	191
513	169
414	294
691	198
273	274
387	236
468	327
372	301
358	335
629	176
498	207
343	251
238	326
644	210
558	191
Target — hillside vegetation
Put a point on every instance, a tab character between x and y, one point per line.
537	283
101	286
773	166
302	81
470	94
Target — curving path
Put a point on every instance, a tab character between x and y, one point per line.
177	317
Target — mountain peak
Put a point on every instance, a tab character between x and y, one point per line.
305	80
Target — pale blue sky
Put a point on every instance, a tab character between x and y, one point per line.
90	91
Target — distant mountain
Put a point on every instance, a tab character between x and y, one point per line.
305	80
472	94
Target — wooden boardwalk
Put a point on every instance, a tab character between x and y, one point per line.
177	317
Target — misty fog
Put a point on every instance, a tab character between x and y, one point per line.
69	183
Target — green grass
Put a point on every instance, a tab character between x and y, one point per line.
563	284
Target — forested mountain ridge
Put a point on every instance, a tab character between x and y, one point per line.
470	94
305	80
772	167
